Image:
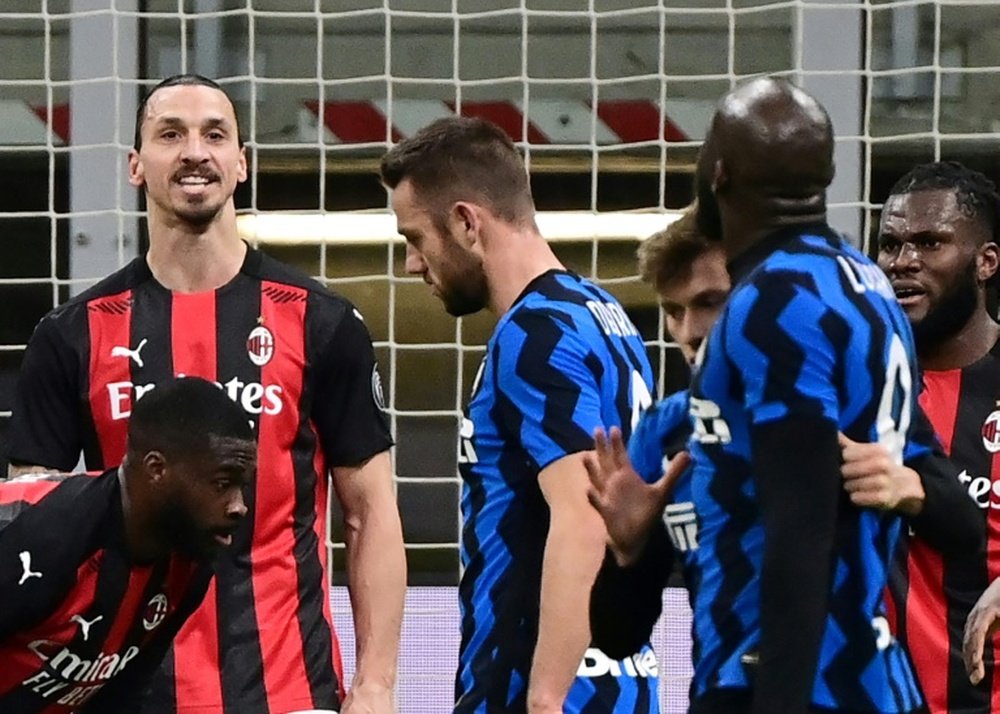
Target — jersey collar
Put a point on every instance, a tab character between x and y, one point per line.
744	263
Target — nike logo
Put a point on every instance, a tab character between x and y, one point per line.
119	351
85	625
25	557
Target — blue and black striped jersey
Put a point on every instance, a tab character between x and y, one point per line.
812	331
663	430
562	361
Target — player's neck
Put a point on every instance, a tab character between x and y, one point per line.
189	262
140	546
513	264
969	345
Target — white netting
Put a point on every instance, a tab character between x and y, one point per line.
608	99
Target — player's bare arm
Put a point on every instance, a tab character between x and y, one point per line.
376	571
873	480
629	506
983	621
573	553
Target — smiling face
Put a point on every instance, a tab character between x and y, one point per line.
454	272
936	257
190	159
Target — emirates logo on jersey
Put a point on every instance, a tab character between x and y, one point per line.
991	433
260	345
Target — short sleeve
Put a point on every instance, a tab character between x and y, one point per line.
349	406
46	426
661	432
779	334
549	378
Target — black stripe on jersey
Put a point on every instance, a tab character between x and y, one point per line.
843	674
726	489
509	645
606	692
762	330
838	333
553	290
317	641
151	321
156	586
980	383
241	663
76	332
540	340
860	429
109	591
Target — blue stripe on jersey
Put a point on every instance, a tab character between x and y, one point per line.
562	361
814	330
661	432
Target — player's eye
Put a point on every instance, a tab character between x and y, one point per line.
888	245
222	485
216	136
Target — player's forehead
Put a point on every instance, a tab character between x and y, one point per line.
189	104
924	210
707	273
412	216
231	450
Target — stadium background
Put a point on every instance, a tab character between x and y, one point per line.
608	98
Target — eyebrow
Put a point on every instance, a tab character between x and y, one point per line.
212	123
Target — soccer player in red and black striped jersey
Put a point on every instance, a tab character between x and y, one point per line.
97	574
300	362
937	244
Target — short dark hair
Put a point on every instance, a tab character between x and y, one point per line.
975	194
179	417
178	80
462	158
668	255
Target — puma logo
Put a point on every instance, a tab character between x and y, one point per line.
85	625
119	351
25	557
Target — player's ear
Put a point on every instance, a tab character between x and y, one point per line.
136	174
241	173
466	222
720	176
987	261
154	466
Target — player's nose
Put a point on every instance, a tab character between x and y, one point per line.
415	264
237	507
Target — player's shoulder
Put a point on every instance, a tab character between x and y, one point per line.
265	268
816	265
110	293
563	301
809	250
62	496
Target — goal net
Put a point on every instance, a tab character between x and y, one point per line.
608	99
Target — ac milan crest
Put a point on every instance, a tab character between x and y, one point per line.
156	612
991	433
260	345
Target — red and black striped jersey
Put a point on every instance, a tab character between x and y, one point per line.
299	360
931	595
82	628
